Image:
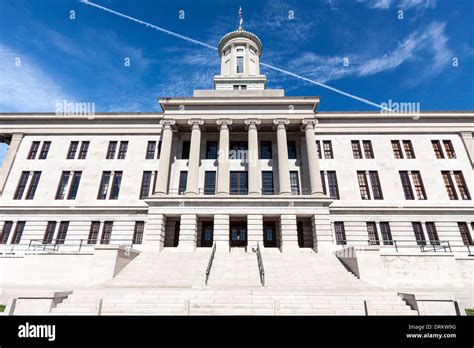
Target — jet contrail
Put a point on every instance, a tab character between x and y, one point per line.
197	42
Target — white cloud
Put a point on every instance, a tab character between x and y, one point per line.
379	4
402	4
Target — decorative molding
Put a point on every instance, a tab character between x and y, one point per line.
196	123
281	123
252	123
168	123
223	123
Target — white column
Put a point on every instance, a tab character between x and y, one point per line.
468	142
254	175
233	61
223	157
188	232
247	60
194	157
313	160
283	165
154	234
165	156
255	230
221	232
322	231
9	158
289	233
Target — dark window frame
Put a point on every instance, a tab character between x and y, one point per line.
33	150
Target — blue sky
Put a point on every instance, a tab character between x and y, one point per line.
408	60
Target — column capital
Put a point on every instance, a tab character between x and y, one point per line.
223	123
309	123
252	123
281	123
168	123
196	123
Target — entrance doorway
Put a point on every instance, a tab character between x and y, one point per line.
238	235
269	235
207	234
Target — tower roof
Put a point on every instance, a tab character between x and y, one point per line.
240	33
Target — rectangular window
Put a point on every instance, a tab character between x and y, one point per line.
372	232
150	150
33	150
183	179
386	233
123	150
291	150
449	149
294	182
318	149
45	150
418	183
340	233
448	182
465	235
368	151
397	150
418	231
267	183
210	183
106	232
332	185
49	233
33	185
432	233
461	184
111	150
138	232
84	150
238	183
437	148
406	185
363	186
94	232
71	154
114	192
327	149
408	147
266	150
159	149
146	184
211	150
356	151
62	232
104	185
238	150
76	179
185	150
240	65
375	182
21	185
7	227
20	227
323	181
61	191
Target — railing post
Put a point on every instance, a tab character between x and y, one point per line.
396	246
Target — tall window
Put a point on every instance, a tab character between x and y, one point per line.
138	232
465	235
372	232
267	183
49	233
61	191
386	233
448	182
20	227
240	65
33	150
150	150
408	147
406	185
266	150
449	149
292	150
432	233
114	192
238	183
437	148
71	154
111	150
7	227
211	150
418	183
461	184
418	231
318	149
84	150
183	179
327	149
146	184
106	232
94	232
356	151
340	233
62	232
375	182
294	182
368	151
45	150
363	186
332	185
21	185
210	183
185	150
76	179
397	149
238	150
123	150
104	185
33	185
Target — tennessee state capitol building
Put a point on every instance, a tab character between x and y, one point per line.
231	189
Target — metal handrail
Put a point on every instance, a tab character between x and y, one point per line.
209	265
261	269
424	246
56	244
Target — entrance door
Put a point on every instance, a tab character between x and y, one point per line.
269	235
207	234
299	230
238	235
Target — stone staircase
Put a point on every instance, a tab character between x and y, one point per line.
172	283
